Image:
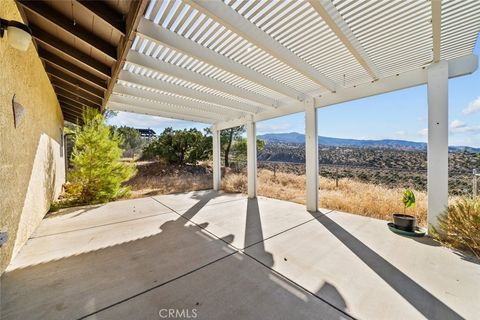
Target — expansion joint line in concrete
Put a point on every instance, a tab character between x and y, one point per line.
235	251
156	287
286	230
98	226
242	251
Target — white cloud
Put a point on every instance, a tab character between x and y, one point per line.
473	106
273	128
423	133
457	126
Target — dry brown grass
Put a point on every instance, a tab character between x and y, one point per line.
157	178
351	196
167	185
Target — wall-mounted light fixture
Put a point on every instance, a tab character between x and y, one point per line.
18	34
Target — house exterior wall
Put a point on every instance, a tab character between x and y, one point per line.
32	167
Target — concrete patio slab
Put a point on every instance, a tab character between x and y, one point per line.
71	243
380	275
165	247
296	265
181	202
220	291
97	215
252	220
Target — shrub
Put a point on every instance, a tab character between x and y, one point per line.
131	140
459	225
97	173
179	146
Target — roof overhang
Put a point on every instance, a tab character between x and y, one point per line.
83	45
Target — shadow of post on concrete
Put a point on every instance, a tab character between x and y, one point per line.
416	295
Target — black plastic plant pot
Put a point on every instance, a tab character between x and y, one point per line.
404	222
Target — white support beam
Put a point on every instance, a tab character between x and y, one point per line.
175	100
155	112
173	70
184	91
326	9
225	15
252	159
311	155
174	41
436	28
217	173
456	68
437	153
169	108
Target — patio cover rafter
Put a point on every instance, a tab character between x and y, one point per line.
74	104
53	70
104	12
173	70
166	108
66	93
456	67
436	28
58	44
159	113
80	73
57	18
334	20
224	14
174	41
64	84
175	100
184	91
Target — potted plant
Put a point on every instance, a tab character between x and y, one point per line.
404	221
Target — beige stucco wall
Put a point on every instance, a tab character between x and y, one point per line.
31	165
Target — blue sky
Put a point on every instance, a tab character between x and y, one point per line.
396	115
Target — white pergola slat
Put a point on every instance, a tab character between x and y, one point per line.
187	75
334	20
238	24
170	39
206	117
457	67
176	101
184	91
237	62
128	106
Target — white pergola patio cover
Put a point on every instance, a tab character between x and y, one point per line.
235	62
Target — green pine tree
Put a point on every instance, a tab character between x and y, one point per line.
97	173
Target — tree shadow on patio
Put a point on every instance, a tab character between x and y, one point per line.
330	294
131	279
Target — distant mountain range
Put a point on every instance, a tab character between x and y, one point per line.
299	138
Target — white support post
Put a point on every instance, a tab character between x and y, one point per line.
252	159
217	173
437	172
311	154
